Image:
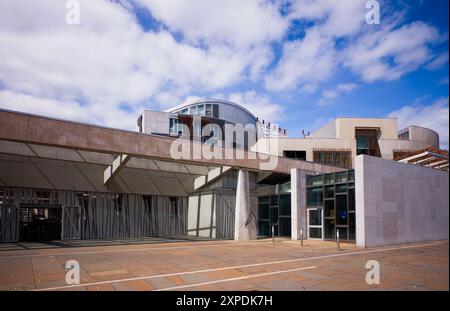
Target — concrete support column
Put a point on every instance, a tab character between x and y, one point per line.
298	203
243	222
360	203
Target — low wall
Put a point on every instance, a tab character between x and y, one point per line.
398	203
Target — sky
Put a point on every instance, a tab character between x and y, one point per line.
299	63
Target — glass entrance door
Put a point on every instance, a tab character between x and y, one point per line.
335	195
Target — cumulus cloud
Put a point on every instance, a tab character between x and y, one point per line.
433	116
386	52
108	56
109	60
260	105
331	14
390	53
111	67
329	96
240	24
304	63
105	113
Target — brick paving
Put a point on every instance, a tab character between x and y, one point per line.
227	265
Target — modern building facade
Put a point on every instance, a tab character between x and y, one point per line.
341	140
62	180
205	121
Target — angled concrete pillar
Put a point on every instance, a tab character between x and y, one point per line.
298	203
244	228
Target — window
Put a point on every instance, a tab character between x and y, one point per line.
362	144
351	199
329	229
201	110
329	208
264	228
285	205
341	210
315	233
208	110
341	177
404	135
367	142
351	175
175	127
263	217
315	217
194	110
295	154
286	187
329	191
342	233
341	188
314	180
285	226
273	215
263	210
329	179
215	111
351	226
184	111
314	196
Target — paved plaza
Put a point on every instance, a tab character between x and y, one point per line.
224	265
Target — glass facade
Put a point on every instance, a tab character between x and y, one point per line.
274	210
330	200
207	110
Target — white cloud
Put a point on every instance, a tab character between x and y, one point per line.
304	63
334	18
314	58
105	114
329	96
239	24
434	116
124	65
347	87
108	62
388	53
108	58
260	105
438	62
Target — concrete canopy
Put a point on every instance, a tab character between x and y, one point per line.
43	131
47	167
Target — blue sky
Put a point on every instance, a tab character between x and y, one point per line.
296	63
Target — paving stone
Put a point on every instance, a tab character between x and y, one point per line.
421	268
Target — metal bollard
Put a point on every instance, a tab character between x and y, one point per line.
273	234
338	246
301	236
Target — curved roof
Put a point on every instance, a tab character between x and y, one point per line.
212	101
